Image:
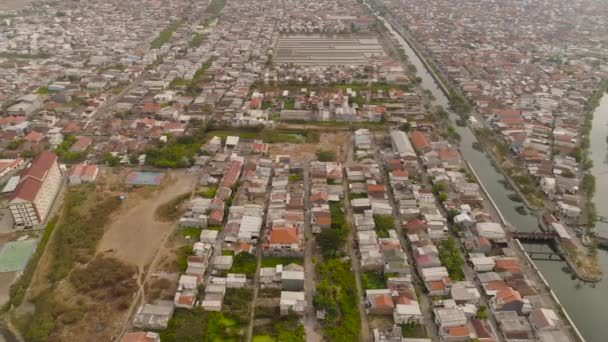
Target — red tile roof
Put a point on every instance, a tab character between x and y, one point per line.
32	178
279	235
419	140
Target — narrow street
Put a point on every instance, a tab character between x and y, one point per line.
365	330
310	318
425	305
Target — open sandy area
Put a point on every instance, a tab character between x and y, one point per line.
134	235
337	142
10	5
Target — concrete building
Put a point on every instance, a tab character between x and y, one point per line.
33	197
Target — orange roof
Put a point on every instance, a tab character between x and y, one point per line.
436	285
447	154
280	235
508	295
34	136
400	173
460	331
137	337
419	140
384	301
508	265
375	188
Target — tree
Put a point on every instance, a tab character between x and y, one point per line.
331	241
406	127
111	160
443	197
326	156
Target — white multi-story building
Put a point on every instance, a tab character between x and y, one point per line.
34	195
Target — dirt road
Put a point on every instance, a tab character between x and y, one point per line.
134	236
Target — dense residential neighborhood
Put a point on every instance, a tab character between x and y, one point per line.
301	170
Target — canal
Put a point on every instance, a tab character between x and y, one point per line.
585	303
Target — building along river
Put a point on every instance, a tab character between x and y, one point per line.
585	303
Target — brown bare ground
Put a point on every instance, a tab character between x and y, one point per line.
337	142
9	5
135	235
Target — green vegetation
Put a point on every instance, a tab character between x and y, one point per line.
295	177
169	211
337	295
244	263
289	104
165	35
413	330
459	104
178	152
182	257
197	325
238	303
17	291
270	261
284	329
352	196
326	156
332	240
103	279
371	280
482	312
42	91
85	213
192	232
15	144
197	40
64	153
451	259
383	223
111	160
209	193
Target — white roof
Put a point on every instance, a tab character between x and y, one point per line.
232	140
490	230
408	309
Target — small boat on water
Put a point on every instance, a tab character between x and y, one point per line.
477	146
521	210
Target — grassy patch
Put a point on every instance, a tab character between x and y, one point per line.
371	280
337	295
182	257
165	35
79	229
295	177
209	193
283	328
244	263
17	291
192	232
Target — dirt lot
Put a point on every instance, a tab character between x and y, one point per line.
303	152
9	5
134	235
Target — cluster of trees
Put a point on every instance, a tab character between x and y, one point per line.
451	259
337	295
64	153
326	156
332	240
178	152
165	35
382	224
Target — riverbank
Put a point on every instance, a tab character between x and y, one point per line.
584	265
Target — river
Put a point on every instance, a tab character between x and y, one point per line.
585	303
